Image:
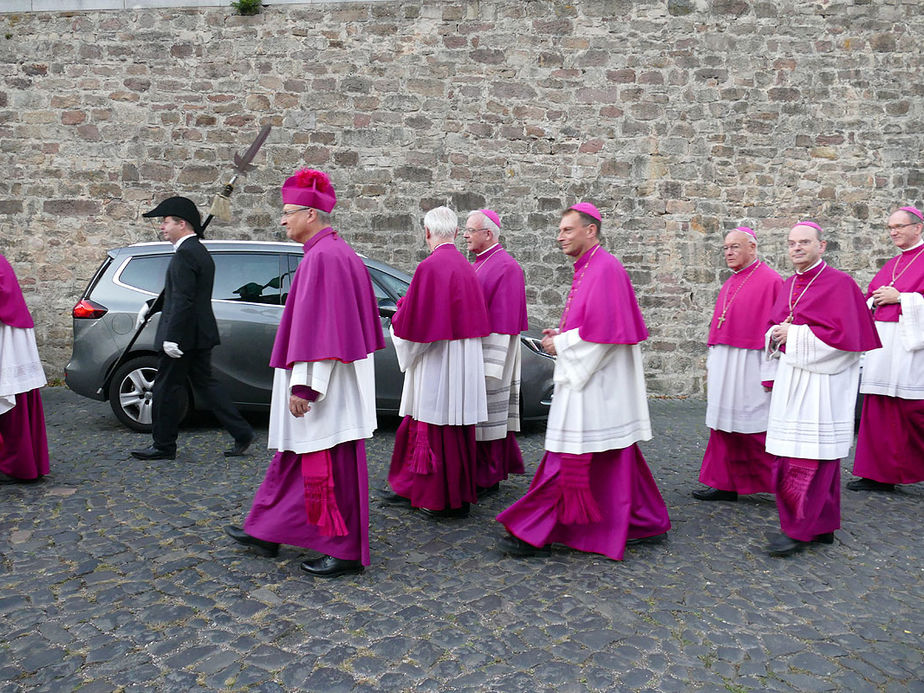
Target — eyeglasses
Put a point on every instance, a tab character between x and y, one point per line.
286	213
897	227
468	230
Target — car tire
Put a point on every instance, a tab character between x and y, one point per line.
131	391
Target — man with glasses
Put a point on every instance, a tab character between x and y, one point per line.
437	333
818	328
186	334
501	278
737	404
316	491
593	490
890	444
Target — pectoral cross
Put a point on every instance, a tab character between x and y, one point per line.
721	320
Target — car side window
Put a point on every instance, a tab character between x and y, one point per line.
387	285
247	277
145	272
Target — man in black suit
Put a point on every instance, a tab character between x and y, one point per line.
187	332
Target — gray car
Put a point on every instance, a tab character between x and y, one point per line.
252	281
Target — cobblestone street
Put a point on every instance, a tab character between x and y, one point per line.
115	575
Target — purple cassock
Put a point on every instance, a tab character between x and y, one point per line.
319	499
434	465
504	286
735	460
595	499
23	443
890	442
829	302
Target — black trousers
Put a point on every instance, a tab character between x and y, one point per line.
172	374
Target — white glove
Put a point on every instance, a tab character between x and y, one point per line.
142	313
172	349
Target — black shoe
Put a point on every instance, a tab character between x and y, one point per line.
862	484
329	567
446	513
389	497
154	453
7	479
485	491
514	546
264	548
714	494
655	539
827	538
240	447
784	545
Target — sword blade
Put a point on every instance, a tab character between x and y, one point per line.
242	161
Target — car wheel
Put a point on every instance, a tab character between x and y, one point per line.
131	392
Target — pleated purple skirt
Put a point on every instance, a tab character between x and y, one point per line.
495	460
278	512
451	481
808	496
625	493
737	462
23	443
890	444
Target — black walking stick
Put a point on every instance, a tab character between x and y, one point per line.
221	208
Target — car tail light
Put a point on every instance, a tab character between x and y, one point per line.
86	308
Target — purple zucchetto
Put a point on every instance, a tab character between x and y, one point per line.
588	209
492	215
748	230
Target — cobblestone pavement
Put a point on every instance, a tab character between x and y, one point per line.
115	575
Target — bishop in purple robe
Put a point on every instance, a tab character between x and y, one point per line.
501	277
593	490
890	443
818	327
737	403
23	443
315	493
437	332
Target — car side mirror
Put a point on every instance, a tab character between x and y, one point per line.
387	308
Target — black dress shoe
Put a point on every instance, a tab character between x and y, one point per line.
154	453
446	513
826	538
784	545
714	494
330	567
389	497
862	484
240	447
264	548
7	479
485	491
514	546
655	539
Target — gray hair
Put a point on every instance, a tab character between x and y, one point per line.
323	217
442	222
486	223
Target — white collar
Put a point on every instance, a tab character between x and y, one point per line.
756	260
442	244
916	245
486	250
809	269
177	244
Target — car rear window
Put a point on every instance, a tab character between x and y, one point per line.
146	272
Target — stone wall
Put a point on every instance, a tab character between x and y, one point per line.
679	118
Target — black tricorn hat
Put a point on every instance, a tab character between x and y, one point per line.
180	207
